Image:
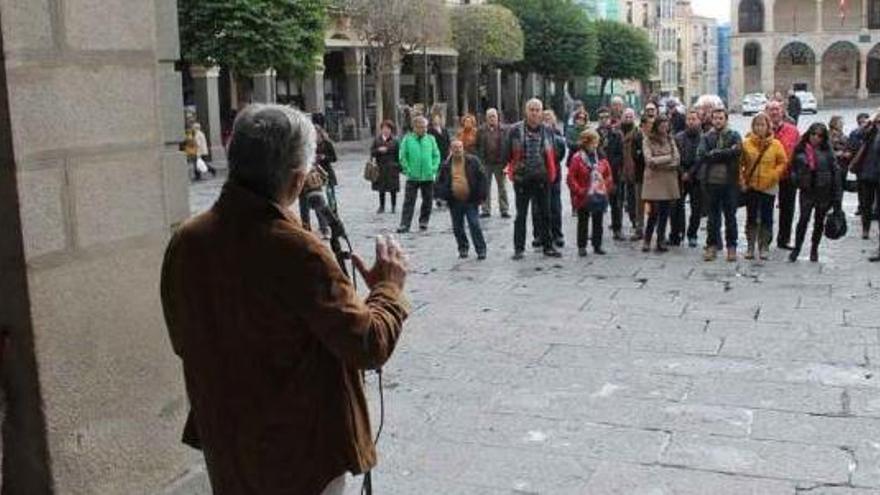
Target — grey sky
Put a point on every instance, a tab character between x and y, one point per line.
719	9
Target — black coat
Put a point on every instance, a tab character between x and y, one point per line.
325	157
713	151
389	165
475	176
687	146
794	107
442	138
823	183
611	147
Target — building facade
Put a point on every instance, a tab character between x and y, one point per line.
698	56
828	47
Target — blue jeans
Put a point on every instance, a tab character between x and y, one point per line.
466	211
721	201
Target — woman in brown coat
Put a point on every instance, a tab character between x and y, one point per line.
661	184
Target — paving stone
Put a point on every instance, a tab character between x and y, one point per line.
844	431
777	460
612	478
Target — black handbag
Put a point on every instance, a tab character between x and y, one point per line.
835	224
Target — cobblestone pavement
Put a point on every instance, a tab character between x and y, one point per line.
627	374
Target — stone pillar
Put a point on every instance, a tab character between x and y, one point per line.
513	97
495	90
768	15
819	26
531	88
264	87
449	80
87	207
391	94
355	70
864	14
863	76
207	96
313	89
817	85
768	69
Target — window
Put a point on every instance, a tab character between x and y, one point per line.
751	55
873	14
751	16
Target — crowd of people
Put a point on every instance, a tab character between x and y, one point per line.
664	170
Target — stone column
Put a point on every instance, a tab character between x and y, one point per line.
768	15
865	14
817	85
530	87
768	69
496	91
355	70
207	96
391	94
264	87
863	76
313	89
819	21
449	80
513	97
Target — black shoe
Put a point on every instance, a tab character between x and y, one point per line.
463	254
692	242
793	256
485	214
536	243
552	253
599	251
504	214
582	252
518	255
380	210
559	242
402	230
481	256
814	254
875	258
423	227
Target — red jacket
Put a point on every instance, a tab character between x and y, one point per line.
579	180
788	135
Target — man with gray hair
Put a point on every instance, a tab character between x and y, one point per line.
419	160
272	334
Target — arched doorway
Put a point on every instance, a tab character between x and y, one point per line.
752	68
840	71
794	16
795	68
751	16
874	70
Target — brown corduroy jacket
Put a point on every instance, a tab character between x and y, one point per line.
273	336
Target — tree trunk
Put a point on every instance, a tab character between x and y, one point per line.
602	90
377	76
465	89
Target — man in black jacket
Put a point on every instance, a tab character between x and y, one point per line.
718	157
462	183
688	141
611	147
794	107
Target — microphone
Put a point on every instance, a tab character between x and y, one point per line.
317	202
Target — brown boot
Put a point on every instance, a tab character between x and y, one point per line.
731	255
710	253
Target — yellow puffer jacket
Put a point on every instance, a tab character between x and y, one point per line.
771	167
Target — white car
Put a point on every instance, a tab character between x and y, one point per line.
808	102
753	103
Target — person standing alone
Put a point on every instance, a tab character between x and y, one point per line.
462	184
420	159
490	148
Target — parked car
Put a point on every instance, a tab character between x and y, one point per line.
808	102
753	103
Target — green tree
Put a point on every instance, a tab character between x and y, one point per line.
560	41
485	35
625	52
249	36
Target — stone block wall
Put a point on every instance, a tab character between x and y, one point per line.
95	117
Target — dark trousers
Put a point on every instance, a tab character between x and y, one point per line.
305	216
787	199
721	201
409	203
810	204
393	196
682	225
658	216
634	207
616	204
869	192
583	227
538	195
759	216
466	211
555	213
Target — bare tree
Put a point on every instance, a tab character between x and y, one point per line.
391	29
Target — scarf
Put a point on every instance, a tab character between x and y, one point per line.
810	152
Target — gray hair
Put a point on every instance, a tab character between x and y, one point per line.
268	143
617	99
419	118
534	101
491	111
712	101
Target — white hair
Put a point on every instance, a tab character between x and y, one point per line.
491	111
712	101
534	101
